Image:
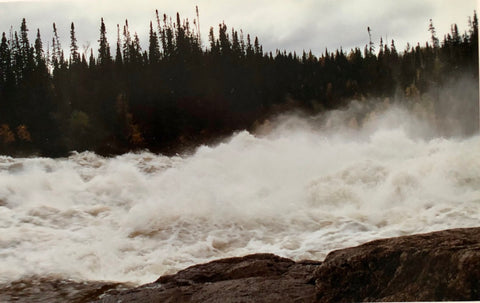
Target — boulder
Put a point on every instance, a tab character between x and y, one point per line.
253	278
436	266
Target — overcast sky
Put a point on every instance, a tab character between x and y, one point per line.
293	25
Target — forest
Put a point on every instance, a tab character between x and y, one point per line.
182	91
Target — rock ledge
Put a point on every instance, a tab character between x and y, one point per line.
437	266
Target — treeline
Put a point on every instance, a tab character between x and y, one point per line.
179	93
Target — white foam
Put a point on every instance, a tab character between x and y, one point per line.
302	189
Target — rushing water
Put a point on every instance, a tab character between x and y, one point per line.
299	188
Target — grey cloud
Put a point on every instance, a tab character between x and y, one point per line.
340	25
286	24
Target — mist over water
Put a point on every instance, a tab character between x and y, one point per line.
298	187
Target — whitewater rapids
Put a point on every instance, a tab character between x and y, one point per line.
299	188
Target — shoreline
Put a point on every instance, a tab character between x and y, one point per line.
436	266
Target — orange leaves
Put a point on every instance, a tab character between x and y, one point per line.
132	130
8	136
23	133
135	136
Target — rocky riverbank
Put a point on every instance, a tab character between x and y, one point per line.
437	266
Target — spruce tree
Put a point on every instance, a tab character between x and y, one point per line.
257	47
17	59
56	50
25	50
136	50
74	55
127	43
371	46
91	60
153	48
433	33
5	59
104	57
225	46
24	44
39	55
118	52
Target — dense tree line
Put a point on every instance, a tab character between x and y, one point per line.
178	92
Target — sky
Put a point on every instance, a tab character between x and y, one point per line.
293	25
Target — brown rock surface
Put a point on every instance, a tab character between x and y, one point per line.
253	278
436	266
53	290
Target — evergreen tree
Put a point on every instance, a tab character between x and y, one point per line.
127	44
104	57
213	45
39	55
24	44
118	53
5	61
257	47
91	60
136	50
17	59
26	53
168	38
56	50
153	48
474	28
371	46
74	55
433	33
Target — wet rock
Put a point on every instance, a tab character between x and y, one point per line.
436	266
253	278
53	290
